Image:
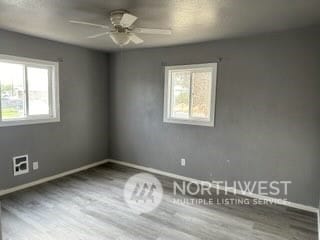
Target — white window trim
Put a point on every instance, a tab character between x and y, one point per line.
167	95
54	102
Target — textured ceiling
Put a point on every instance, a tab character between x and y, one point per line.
190	20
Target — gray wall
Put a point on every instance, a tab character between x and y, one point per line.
81	136
267	113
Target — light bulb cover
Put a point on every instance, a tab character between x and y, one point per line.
120	38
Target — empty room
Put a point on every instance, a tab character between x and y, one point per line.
159	119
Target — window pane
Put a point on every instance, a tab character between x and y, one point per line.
38	89
200	107
180	94
12	91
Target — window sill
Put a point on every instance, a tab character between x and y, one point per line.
28	122
190	122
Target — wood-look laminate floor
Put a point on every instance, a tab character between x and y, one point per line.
90	206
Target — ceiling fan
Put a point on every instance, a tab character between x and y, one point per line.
122	30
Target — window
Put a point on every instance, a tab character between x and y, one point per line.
29	91
190	94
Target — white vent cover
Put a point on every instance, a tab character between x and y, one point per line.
20	165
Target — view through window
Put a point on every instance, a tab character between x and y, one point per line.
28	91
189	94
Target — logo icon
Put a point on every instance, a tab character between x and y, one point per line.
143	192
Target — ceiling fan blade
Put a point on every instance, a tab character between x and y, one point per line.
127	20
89	24
153	31
134	38
99	35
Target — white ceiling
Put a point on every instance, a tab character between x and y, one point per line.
191	20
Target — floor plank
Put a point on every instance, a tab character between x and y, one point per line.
90	205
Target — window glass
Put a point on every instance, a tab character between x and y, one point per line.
29	91
189	94
180	94
13	102
200	107
38	90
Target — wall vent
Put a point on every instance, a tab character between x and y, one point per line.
20	165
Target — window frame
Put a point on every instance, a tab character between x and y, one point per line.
167	116
53	91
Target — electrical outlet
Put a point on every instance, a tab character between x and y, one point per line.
183	162
35	165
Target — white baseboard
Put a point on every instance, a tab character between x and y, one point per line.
231	190
47	179
319	223
0	223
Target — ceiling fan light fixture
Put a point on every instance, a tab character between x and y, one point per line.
120	38
123	30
